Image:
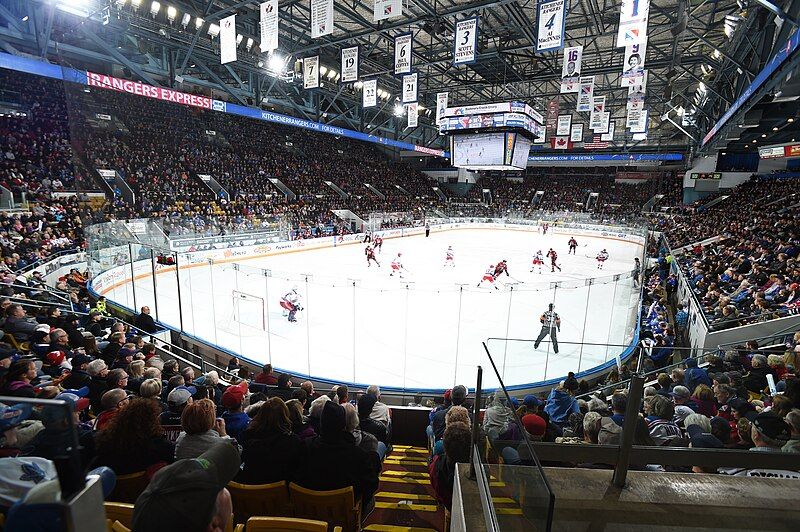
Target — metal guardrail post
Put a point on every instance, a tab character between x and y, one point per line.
476	409
635	392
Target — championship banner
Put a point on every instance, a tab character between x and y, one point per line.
633	67
633	117
571	69
611	127
441	106
321	18
269	26
411	112
640	127
585	93
410	88
632	22
384	9
564	123
576	133
349	64
311	72
402	54
227	39
604	122
552	114
551	17
465	42
369	97
598	106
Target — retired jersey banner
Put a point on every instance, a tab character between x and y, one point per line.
552	15
633	116
632	22
641	124
603	122
369	97
227	39
564	123
321	18
268	25
633	67
585	93
571	69
410	88
411	112
610	135
598	106
441	106
349	64
576	133
384	9
636	93
311	72
402	54
465	45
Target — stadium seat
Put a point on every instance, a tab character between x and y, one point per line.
259	500
129	487
337	507
19	346
286	524
116	526
120	512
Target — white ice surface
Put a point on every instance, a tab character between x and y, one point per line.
425	331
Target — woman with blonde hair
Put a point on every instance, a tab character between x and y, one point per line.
201	429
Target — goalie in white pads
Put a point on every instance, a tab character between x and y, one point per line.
291	304
450	257
601	258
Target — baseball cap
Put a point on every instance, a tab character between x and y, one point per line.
680	392
234	395
55	358
772	426
11	416
6	351
702	440
181	394
19	475
78	402
531	401
79	360
534	425
80	392
181	496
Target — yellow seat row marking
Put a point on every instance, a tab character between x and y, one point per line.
509	511
393	528
410	496
413	507
401	480
413	474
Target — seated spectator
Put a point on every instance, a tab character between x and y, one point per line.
380	412
364	440
342	394
201	429
151	389
79	376
144	321
756	379
17	381
315	412
57	437
98	371
769	432
560	404
117	378
190	494
498	420
619	402
457	398
111	403
177	400
300	426
694	376
115	343
133	440
703	397
681	396
442	469
456	414
236	420
270	450
18	323
334	461
659	413
793	420
366	424
266	376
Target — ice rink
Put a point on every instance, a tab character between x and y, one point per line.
359	325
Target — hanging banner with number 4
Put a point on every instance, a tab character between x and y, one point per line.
465	41
552	15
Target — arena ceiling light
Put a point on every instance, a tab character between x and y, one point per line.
185	20
249	43
790	120
78	8
399	110
323	70
213	30
172	14
155	7
239	39
276	62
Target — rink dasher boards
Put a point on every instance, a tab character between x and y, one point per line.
380	331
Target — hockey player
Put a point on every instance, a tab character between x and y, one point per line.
601	258
573	246
291	303
488	276
501	267
551	323
637	272
378	241
538	260
545	227
397	266
553	257
369	251
367	237
449	257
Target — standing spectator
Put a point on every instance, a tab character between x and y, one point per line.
681	321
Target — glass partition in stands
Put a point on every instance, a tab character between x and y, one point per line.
428	336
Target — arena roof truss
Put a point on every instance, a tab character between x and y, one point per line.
701	55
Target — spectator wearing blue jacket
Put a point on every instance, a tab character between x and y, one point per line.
560	404
693	376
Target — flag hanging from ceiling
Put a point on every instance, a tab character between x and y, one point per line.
227	39
349	64
402	53
410	88
384	9
551	17
465	41
560	143
411	112
441	106
585	93
576	133
370	95
269	26
571	69
632	22
633	67
311	72
596	143
321	18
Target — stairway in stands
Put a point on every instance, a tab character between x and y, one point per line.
404	501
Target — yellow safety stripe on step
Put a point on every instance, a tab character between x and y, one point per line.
508	511
412	474
392	460
503	500
401	480
497	484
393	528
409	450
410	496
413	507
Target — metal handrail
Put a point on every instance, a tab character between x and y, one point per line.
45	260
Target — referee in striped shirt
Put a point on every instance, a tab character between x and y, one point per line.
551	323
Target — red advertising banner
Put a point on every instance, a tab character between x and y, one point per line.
141	89
637	176
792	151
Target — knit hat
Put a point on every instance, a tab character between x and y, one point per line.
772	426
332	420
534	425
55	358
233	397
365	404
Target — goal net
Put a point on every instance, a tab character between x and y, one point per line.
248	310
